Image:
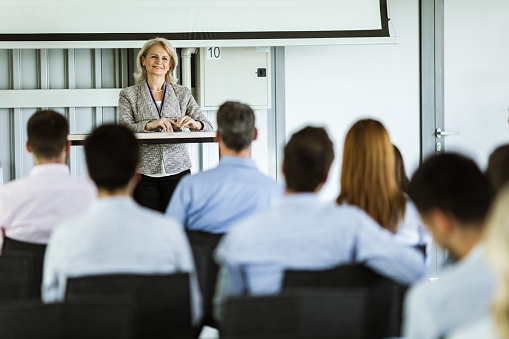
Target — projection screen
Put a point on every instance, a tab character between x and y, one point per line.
196	21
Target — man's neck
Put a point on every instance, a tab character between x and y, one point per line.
40	161
465	241
245	153
121	192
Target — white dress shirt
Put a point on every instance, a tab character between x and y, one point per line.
461	295
116	235
482	329
411	229
300	232
31	207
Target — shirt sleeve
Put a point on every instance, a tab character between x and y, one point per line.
377	248
53	288
127	115
179	203
418	319
187	265
230	281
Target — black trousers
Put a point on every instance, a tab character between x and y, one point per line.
155	193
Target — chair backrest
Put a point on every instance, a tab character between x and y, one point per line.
15	279
203	245
107	318
162	302
306	314
384	298
37	252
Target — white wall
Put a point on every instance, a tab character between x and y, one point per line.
476	71
334	86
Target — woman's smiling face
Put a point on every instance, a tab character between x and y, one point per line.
157	61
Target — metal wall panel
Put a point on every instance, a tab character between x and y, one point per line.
34	69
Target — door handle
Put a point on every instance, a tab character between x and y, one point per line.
439	133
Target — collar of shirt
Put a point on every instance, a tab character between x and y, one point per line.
231	160
50	169
307	199
113	203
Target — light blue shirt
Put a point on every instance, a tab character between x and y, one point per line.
213	200
300	232
116	235
460	296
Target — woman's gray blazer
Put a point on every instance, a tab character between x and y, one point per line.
136	108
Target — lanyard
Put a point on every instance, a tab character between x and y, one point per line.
162	102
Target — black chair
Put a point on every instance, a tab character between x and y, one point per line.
203	245
15	278
162	302
384	297
306	314
37	251
99	319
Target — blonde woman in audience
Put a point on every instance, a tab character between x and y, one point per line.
495	325
368	181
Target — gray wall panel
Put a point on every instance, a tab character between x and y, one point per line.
5	144
83	68
29	69
56	69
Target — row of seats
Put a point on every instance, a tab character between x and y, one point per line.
314	304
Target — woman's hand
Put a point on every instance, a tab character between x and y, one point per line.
187	121
164	123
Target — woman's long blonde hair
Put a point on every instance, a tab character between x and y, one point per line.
368	178
497	250
142	72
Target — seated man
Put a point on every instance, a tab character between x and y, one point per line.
116	235
213	200
300	232
31	207
453	198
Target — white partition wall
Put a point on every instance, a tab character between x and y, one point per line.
334	86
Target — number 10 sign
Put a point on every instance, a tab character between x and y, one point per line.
213	53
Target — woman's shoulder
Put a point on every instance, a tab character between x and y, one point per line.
180	90
131	90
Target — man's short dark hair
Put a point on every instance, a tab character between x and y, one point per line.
498	168
236	125
47	134
307	159
454	184
112	154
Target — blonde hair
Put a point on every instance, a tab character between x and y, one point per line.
142	72
497	250
368	178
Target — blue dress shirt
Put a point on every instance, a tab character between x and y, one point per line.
300	232
116	235
461	295
213	200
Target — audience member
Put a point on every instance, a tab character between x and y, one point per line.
453	197
368	181
495	324
498	168
31	207
401	177
300	232
213	200
116	235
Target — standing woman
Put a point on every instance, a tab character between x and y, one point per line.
157	104
368	181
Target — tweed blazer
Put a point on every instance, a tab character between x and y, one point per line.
136	108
